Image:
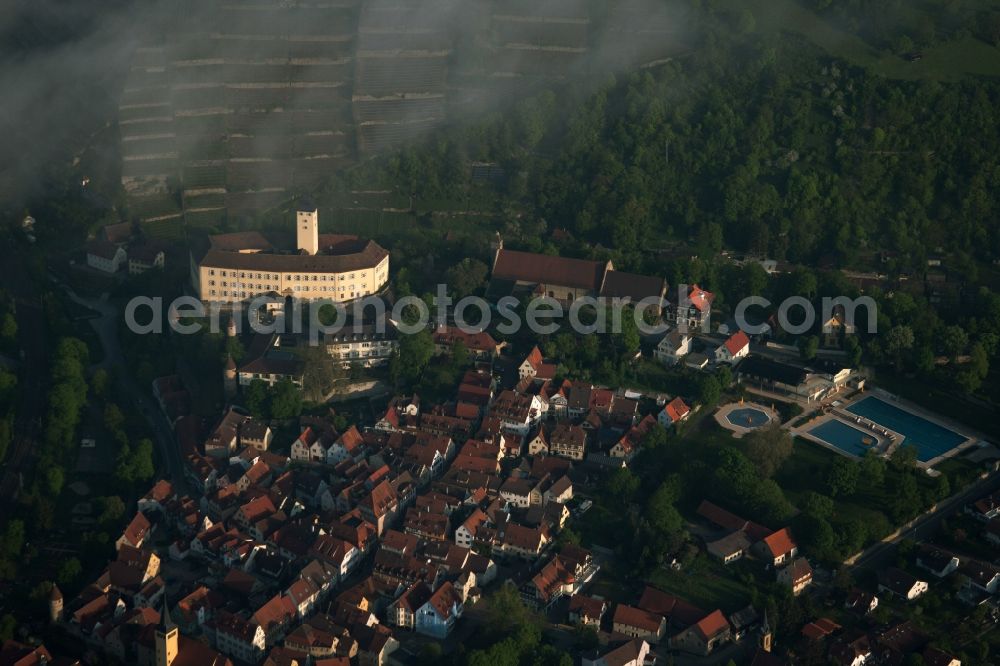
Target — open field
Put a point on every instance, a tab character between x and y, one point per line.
946	61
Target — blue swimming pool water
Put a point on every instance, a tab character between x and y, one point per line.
748	417
845	437
930	439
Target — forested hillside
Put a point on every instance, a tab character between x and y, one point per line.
760	142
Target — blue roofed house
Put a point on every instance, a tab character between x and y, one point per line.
437	616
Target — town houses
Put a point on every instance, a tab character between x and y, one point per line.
361	529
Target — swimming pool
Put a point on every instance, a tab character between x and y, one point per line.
845	437
930	439
748	417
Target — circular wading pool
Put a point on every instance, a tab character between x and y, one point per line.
748	417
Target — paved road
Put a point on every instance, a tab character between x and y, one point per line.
106	326
879	555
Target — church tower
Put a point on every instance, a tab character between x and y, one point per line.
55	604
766	635
166	637
307	227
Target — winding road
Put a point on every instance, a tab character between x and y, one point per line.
106	327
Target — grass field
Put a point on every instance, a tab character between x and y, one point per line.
946	61
706	583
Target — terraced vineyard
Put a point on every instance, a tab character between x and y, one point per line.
241	104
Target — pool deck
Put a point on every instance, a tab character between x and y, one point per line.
722	417
841	413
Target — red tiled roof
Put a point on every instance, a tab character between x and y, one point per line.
779	543
257	508
137	529
712	625
476	464
479	342
730	521
637	287
587	607
351	439
677	409
549	270
678	611
279	610
700	298
815	631
416	596
444	599
534	358
525	538
736	342
631	616
162	491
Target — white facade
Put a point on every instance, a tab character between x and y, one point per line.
107	265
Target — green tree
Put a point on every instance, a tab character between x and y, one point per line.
842	477
286	400
415	352
872	468
142	461
954	341
817	505
709	390
898	341
467	276
54	479
661	512
853	349
808	346
320	374
255	398
233	348
99	383
460	355
114	420
8	625
112	508
767	448
622	485
13	539
69	571
8	328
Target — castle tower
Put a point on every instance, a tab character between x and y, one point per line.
166	637
231	327
766	635
229	383
307	227
55	604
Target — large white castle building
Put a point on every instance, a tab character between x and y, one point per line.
247	264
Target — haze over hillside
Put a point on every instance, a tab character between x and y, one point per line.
241	104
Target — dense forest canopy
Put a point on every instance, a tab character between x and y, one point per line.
765	147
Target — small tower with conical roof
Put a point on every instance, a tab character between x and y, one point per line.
766	635
55	604
166	637
229	383
231	327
